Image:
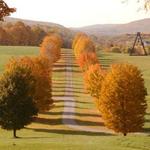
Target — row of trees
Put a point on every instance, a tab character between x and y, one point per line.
51	47
119	92
26	85
21	34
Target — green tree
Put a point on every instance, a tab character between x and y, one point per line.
17	108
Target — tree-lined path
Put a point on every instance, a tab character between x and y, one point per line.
79	113
74	111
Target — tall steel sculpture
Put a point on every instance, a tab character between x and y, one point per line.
137	40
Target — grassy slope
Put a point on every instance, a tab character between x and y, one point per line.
50	134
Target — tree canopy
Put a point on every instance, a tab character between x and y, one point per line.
122	100
17	107
5	10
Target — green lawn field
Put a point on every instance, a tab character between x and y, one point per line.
48	133
142	62
6	52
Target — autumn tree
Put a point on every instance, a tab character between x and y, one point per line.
51	47
86	59
93	79
5	10
84	44
122	102
41	71
4	37
20	34
76	38
38	35
17	107
147	4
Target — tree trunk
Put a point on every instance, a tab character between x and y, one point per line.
14	133
125	134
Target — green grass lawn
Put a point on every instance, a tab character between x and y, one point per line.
6	52
142	62
51	134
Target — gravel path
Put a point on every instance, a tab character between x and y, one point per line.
69	103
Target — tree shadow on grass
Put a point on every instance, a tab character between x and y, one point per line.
68	95
63	87
66	70
62	106
35	137
147	120
77	82
53	121
57	91
67	65
72	132
60	101
58	83
72	91
106	62
58	121
146	130
70	113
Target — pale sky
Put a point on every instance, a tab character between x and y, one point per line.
78	13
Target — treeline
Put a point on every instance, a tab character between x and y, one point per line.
119	92
20	34
26	85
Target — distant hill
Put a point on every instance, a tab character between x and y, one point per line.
31	23
117	29
66	34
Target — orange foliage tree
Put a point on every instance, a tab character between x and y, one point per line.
83	44
76	38
122	99
86	59
21	34
93	79
41	71
51	47
5	10
4	37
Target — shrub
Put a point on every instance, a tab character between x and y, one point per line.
115	50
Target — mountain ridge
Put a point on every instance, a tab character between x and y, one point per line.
32	22
142	25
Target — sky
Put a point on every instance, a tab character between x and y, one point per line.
78	13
